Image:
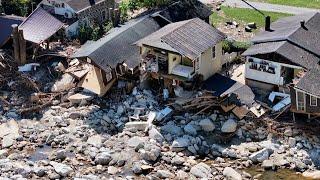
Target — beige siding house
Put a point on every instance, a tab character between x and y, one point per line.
182	50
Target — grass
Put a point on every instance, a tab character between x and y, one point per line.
244	16
297	3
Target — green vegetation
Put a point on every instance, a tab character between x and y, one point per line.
244	16
235	46
297	3
93	33
18	7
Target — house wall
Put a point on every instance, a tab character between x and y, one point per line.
266	77
172	62
208	65
309	109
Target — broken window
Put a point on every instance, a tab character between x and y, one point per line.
313	100
106	75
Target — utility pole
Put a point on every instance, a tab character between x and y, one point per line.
267	18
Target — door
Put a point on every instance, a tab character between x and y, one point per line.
301	101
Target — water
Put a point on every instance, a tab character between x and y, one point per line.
281	174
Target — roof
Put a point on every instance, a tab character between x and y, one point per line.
118	45
186	9
293	54
5	25
290	29
189	38
221	86
80	5
310	82
39	26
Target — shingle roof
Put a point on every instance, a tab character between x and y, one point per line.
294	54
79	5
290	29
190	38
117	46
39	26
310	82
5	25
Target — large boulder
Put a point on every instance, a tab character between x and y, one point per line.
231	174
207	125
201	170
103	158
261	155
62	169
229	126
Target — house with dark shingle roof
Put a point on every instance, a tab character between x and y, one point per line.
181	50
277	56
77	12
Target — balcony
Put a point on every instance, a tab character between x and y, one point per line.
183	71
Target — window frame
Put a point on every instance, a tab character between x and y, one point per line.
213	49
313	105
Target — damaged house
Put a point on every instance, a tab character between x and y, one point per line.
6	22
277	56
180	51
76	12
116	54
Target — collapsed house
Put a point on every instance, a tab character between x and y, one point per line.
180	51
277	56
286	59
74	13
6	22
116	55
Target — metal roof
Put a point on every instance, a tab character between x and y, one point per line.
39	26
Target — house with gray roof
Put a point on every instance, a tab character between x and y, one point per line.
277	56
182	50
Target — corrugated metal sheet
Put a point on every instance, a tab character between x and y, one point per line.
39	26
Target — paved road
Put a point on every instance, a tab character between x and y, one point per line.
268	7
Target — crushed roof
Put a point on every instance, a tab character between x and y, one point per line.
6	23
189	38
118	45
39	26
80	5
310	82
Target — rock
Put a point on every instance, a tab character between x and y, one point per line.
120	110
10	128
3	153
288	132
229	126
7	141
261	155
135	141
177	160
163	174
207	125
252	25
315	156
95	141
136	168
39	171
201	170
156	135
150	152
248	29
292	142
103	158
136	125
172	129
311	175
231	174
75	115
213	117
192	149
61	154
189	129
180	144
112	170
182	175
62	169
268	164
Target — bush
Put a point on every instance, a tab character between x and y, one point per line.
235	46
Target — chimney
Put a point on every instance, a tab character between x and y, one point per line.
303	25
116	17
267	23
92	2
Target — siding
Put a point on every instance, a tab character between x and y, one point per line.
309	109
209	66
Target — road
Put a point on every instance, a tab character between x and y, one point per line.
270	7
266	6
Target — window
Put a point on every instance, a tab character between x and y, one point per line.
174	59
213	52
313	100
300	101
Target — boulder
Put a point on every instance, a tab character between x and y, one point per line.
180	144
135	141
231	174
261	155
172	129
268	164
229	126
207	125
163	174
112	170
177	160
95	141
189	129
150	152
201	170
62	169
156	135
103	158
